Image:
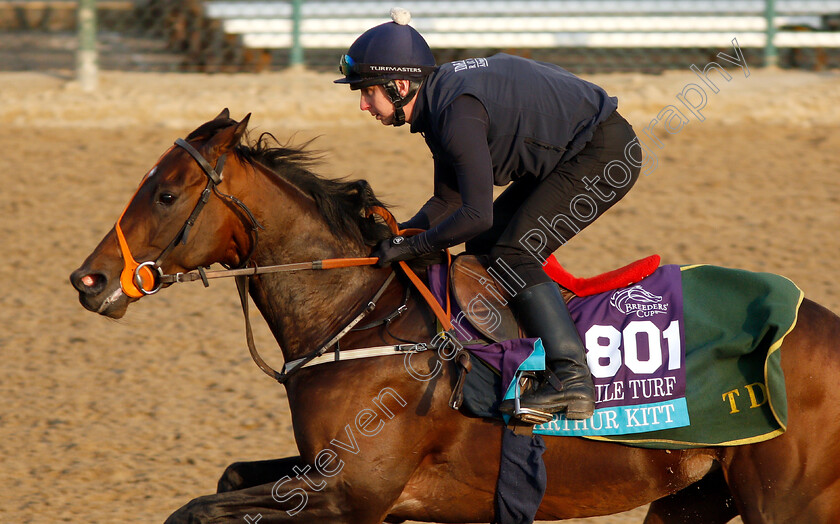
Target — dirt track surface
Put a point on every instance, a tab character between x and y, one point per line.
124	421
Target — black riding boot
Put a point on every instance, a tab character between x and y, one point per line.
543	313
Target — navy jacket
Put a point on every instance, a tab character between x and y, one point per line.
535	116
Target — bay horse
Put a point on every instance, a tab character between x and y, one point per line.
375	443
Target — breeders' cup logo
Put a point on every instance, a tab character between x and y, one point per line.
639	301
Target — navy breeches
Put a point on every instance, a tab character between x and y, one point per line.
533	217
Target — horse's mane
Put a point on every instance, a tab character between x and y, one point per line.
341	202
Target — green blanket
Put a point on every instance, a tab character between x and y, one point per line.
735	323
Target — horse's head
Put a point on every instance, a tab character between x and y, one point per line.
155	233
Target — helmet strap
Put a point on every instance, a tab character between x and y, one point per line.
398	100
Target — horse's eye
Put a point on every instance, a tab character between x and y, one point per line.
166	199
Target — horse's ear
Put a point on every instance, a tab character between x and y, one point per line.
224	114
228	138
241	127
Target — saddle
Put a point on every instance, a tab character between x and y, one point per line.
485	304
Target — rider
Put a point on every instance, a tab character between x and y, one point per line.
555	140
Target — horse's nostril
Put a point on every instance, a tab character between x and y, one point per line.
88	283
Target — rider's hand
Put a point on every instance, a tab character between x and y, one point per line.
395	249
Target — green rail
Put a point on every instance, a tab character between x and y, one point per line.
771	54
296	56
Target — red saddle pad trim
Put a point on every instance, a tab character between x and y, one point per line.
583	287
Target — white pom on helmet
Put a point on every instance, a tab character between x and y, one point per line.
389	51
400	15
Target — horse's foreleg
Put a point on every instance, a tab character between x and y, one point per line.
243	475
303	495
707	500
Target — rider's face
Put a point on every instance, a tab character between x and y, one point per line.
374	100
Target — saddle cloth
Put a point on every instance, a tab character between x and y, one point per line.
485	302
724	387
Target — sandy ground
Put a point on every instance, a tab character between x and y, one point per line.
124	421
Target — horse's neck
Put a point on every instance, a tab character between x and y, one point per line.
305	308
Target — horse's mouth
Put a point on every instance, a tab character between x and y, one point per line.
114	305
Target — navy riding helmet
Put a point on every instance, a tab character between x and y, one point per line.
388	52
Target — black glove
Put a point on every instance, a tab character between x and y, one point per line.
395	249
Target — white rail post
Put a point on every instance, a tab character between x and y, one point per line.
87	68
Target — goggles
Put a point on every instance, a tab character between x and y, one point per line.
347	65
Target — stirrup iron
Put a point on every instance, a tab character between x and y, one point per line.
529	415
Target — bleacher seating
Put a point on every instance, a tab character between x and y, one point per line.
538	24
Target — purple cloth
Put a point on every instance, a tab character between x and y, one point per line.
506	357
635	349
634	339
635	344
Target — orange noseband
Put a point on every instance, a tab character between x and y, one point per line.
137	279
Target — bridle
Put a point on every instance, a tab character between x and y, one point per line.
147	278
